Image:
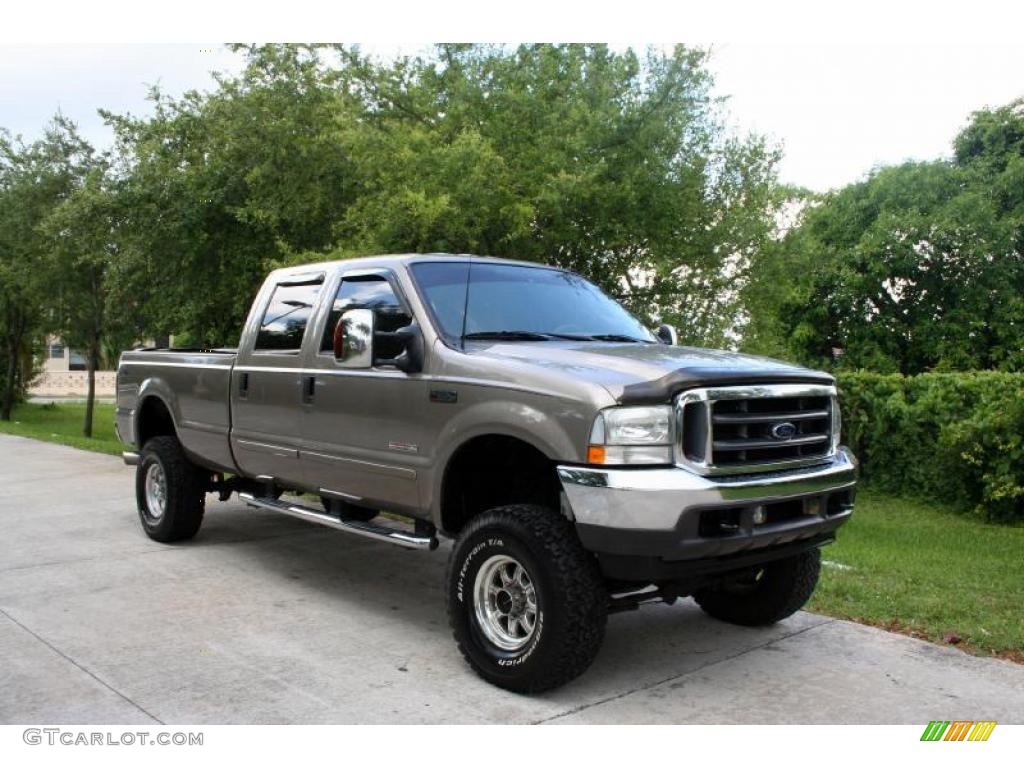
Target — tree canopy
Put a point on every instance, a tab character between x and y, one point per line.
614	164
34	179
919	267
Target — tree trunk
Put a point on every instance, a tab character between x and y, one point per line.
9	381
15	331
91	359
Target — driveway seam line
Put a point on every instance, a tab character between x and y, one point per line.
655	684
91	674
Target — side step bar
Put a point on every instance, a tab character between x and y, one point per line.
369	530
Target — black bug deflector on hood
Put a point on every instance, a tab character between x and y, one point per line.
659	390
647	373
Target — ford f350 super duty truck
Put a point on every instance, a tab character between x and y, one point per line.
581	464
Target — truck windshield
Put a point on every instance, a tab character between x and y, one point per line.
505	301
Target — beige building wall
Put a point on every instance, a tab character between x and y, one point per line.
58	378
72	384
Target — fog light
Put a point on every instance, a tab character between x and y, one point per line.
760	516
812	506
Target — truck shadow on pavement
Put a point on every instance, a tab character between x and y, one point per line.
332	582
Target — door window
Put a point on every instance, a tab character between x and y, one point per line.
284	322
369	292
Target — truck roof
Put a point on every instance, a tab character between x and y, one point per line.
395	259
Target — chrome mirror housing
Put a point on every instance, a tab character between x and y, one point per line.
353	338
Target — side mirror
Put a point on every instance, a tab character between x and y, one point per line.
353	338
356	333
667	335
410	360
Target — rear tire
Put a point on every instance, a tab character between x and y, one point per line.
526	602
170	491
765	596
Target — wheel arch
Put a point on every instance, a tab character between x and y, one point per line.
153	417
491	469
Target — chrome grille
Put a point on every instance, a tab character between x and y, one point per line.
734	430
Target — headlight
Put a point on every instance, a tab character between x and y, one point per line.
641	435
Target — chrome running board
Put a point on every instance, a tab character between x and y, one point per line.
369	530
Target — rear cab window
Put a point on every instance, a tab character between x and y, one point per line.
284	322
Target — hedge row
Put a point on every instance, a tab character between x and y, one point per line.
955	437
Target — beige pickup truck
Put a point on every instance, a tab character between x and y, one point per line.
581	464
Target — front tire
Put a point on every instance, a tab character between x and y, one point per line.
526	602
169	490
769	594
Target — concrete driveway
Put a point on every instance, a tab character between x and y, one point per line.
265	619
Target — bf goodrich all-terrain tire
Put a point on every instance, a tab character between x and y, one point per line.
526	602
169	490
778	590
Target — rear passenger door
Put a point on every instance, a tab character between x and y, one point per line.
267	383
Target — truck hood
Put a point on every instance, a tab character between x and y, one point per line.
647	373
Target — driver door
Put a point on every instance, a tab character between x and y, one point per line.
362	429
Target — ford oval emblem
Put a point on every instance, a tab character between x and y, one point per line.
784	430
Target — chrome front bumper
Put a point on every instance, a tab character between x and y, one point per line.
657	512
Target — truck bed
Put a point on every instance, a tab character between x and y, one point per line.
194	385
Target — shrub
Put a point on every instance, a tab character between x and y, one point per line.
956	437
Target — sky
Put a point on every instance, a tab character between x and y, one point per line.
838	108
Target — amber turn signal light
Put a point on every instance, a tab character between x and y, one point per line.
595	454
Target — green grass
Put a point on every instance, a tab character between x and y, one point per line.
918	568
903	564
62	423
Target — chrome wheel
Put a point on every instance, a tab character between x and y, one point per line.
156	490
505	602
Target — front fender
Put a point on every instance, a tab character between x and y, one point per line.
551	434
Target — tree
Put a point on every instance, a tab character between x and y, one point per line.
774	278
19	309
34	179
82	263
612	164
59	254
615	165
219	188
919	267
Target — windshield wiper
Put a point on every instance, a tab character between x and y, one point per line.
507	336
601	337
620	337
535	336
